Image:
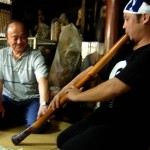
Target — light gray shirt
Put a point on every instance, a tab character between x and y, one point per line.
20	77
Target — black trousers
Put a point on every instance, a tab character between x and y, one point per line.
97	133
84	136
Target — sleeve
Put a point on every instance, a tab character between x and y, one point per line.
39	65
1	62
135	73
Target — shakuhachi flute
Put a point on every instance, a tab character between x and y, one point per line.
16	139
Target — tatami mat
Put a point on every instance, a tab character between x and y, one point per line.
46	141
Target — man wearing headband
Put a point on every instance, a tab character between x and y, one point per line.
122	120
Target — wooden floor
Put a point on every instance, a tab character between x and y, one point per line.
46	141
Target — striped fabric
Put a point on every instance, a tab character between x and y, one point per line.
137	7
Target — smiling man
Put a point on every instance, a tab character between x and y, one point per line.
24	89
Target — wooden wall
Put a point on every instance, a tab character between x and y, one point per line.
27	10
24	9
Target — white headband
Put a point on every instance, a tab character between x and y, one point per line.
137	7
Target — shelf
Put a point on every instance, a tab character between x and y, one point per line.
32	41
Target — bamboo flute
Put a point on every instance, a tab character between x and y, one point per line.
16	139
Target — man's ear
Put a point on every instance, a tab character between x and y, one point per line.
146	18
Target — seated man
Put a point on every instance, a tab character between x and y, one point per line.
23	80
122	120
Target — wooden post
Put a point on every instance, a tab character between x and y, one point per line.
111	25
